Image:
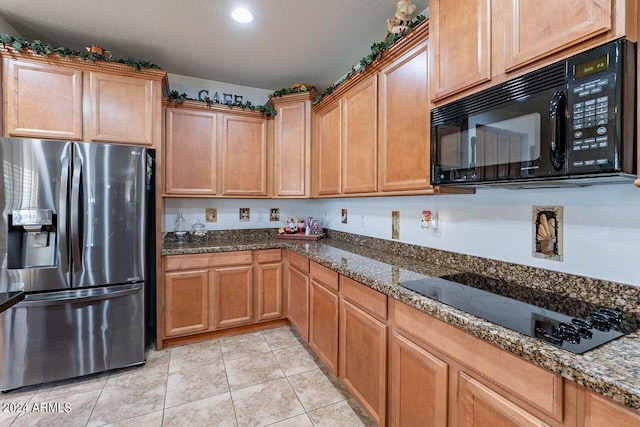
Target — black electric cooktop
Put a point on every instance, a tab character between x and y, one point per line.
573	325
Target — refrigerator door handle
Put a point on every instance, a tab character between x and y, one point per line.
76	253
62	218
86	296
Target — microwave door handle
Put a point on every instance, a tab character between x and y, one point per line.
557	147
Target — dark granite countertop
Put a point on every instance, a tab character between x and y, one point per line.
612	370
9	299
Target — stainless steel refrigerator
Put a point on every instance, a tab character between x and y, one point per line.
72	237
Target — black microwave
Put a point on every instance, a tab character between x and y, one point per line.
572	122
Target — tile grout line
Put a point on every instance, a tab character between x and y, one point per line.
96	403
166	387
291	385
226	375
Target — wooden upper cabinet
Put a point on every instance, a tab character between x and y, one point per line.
359	137
476	44
404	129
460	45
292	144
73	99
190	150
123	108
244	156
42	100
533	32
327	151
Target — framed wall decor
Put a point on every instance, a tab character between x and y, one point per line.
547	232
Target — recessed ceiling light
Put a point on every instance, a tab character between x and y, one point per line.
241	15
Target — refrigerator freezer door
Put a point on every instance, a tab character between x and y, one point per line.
33	252
108	214
53	336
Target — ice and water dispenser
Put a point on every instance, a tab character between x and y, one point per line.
32	238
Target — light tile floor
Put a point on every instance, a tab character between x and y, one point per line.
265	378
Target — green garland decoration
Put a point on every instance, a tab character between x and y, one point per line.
21	44
288	90
376	51
265	110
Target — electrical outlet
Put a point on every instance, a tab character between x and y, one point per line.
260	216
363	221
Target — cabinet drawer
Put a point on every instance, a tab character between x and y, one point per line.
324	275
532	384
299	262
368	299
230	258
269	255
186	262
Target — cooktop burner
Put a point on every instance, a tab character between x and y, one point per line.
573	325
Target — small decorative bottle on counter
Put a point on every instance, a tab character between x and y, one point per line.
179	229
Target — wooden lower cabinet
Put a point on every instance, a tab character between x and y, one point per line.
232	296
269	284
204	293
418	385
363	358
600	411
480	406
187	302
298	293
323	324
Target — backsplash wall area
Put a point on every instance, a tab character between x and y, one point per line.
601	230
601	226
228	212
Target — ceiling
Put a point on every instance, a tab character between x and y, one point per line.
289	41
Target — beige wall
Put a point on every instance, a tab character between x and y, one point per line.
6	28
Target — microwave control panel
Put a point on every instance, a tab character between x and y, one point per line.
592	111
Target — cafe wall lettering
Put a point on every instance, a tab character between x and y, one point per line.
227	98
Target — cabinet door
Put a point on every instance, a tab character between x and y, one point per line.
186	296
42	101
244	156
600	411
328	151
461	46
418	385
269	291
404	123
359	138
190	147
363	362
292	149
232	296
123	109
532	32
298	300
323	327
480	406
